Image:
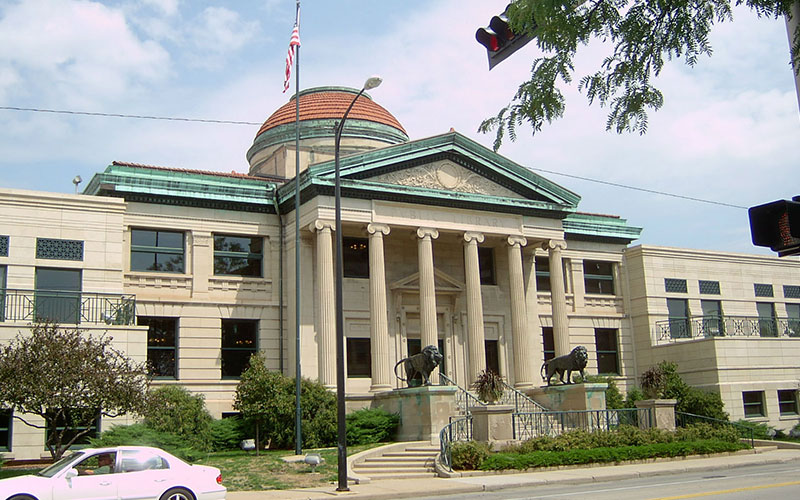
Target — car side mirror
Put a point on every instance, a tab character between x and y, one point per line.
71	473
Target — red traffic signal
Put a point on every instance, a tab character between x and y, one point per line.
499	39
776	225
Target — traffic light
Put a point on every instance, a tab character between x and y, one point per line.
777	225
498	38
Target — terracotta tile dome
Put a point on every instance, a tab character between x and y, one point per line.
331	103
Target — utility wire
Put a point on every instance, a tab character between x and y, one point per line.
634	188
120	115
234	122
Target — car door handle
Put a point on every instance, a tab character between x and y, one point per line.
160	480
105	483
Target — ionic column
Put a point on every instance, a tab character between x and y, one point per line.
427	287
558	297
379	325
326	303
521	342
534	321
475	341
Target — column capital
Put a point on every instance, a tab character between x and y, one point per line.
520	241
320	225
423	232
471	236
373	228
554	245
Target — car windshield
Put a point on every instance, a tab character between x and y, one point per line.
60	465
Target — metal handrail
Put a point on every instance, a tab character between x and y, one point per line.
521	401
675	329
457	430
463	397
552	423
67	307
682	419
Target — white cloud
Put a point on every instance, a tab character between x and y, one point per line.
76	52
166	7
219	31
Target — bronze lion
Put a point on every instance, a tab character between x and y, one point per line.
574	361
423	363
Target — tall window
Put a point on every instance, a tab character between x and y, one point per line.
153	250
787	401
239	342
542	274
238	255
767	326
605	341
359	360
492	356
2	293
65	421
162	345
753	402
598	277
355	257
58	295
793	324
678	310
486	265
6	417
712	317
548	343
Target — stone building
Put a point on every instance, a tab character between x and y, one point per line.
445	243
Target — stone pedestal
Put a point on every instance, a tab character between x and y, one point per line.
570	396
492	423
424	411
662	413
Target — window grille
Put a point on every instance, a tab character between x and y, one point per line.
50	248
674	285
3	246
763	290
709	287
791	291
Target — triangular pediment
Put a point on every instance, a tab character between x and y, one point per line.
445	175
443	282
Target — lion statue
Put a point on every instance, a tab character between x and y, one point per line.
574	361
423	363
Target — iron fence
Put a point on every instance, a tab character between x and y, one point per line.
67	307
459	429
727	326
683	419
552	423
521	402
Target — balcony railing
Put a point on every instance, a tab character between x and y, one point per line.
727	326
67	307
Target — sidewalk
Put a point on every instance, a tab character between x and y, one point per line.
407	488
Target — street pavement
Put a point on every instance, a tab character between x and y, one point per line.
476	482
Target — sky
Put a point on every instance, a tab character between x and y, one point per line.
727	133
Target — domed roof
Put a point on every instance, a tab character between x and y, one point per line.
323	103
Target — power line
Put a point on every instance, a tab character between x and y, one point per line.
634	188
120	115
235	122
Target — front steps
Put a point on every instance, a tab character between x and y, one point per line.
397	461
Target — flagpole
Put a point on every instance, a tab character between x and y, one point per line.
298	447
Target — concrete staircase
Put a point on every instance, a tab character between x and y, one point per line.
397	461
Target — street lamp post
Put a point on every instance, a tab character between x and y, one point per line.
371	83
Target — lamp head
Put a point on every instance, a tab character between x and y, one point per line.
372	82
77	180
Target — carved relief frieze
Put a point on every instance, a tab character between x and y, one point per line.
446	175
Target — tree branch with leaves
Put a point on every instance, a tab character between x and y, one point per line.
641	34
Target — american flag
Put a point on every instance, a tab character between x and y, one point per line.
294	42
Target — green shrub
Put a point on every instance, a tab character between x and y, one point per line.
468	455
175	410
142	435
760	430
228	433
371	425
267	399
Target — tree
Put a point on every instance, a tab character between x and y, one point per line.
68	378
641	34
663	381
266	399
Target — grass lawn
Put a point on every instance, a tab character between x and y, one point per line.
244	471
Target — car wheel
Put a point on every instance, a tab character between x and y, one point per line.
177	494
